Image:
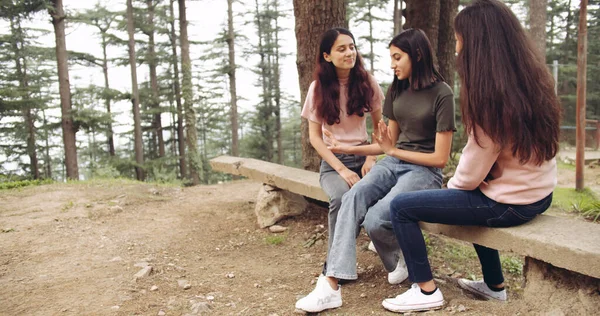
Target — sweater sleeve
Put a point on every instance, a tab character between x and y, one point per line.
475	162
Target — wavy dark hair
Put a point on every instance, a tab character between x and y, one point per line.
424	73
327	89
506	88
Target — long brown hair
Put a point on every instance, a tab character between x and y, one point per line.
327	89
506	88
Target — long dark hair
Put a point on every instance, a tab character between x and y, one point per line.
424	74
327	89
506	88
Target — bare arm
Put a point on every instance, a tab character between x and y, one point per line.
316	140
438	158
365	150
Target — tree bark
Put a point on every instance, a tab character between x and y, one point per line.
190	113
180	131
68	127
312	19
397	16
135	99
21	69
537	24
446	42
232	84
152	63
277	84
425	15
107	97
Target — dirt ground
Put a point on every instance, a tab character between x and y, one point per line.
73	249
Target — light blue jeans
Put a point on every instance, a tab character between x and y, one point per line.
367	204
335	186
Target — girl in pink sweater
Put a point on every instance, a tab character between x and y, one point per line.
507	171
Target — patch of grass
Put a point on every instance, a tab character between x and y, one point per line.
275	239
512	264
564	165
69	205
584	202
8	230
22	183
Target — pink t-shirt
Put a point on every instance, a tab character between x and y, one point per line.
499	174
351	130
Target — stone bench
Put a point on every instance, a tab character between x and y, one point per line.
561	254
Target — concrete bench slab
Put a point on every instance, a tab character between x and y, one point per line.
565	243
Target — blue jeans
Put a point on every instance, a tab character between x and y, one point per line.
454	207
335	186
367	204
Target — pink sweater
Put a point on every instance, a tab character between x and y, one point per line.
499	175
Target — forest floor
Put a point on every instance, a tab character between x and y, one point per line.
75	248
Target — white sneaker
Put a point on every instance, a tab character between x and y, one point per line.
372	247
414	300
400	273
481	289
321	298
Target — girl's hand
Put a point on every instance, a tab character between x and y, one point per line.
384	140
369	163
336	146
349	176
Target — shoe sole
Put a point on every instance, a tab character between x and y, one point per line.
325	307
474	291
429	307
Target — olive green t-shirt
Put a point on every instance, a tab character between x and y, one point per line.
420	115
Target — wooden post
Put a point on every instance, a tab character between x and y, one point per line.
581	86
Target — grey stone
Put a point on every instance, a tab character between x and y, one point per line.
143	273
273	206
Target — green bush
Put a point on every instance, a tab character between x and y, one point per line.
22	183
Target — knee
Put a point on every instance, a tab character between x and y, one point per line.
398	210
372	224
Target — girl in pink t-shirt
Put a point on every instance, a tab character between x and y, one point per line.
336	108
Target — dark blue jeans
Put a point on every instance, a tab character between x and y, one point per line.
454	207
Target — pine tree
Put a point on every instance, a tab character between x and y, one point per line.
68	128
135	98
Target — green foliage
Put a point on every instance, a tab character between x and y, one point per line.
275	239
512	264
583	202
23	183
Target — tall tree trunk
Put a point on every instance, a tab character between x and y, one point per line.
152	63
425	15
446	42
232	84
68	128
537	24
190	114
175	62
397	16
371	39
264	108
107	97
21	69
135	99
47	159
312	19
277	83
